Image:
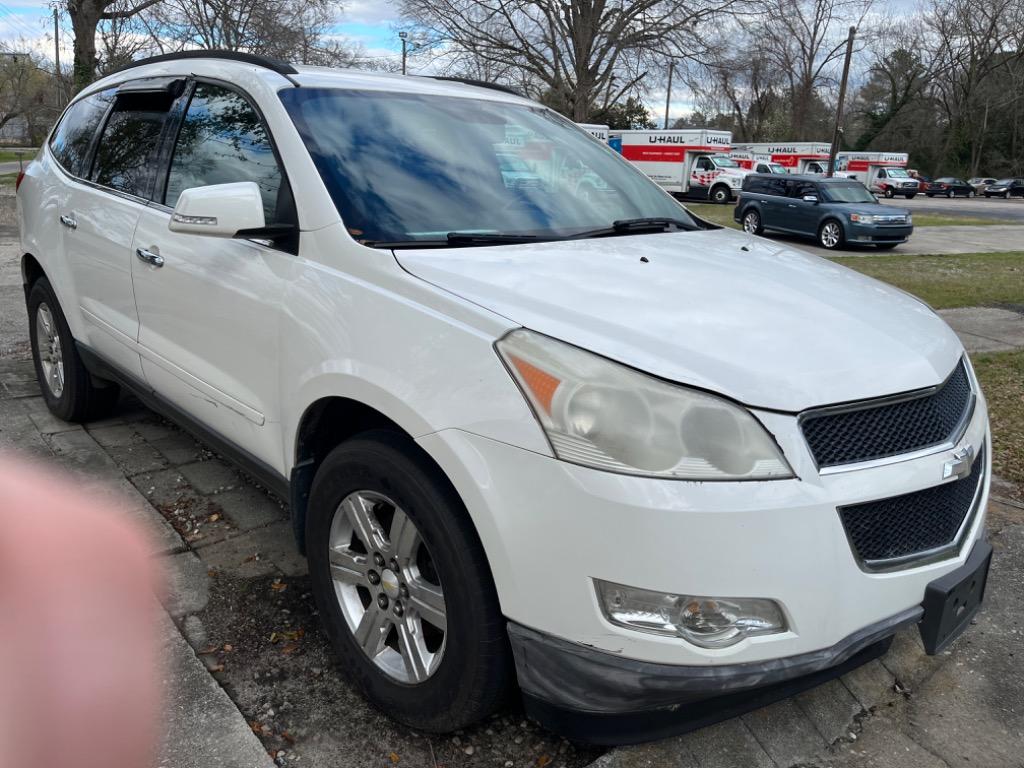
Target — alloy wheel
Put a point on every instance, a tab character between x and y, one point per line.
751	222
830	234
51	355
387	587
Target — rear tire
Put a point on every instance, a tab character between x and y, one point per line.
69	390
950	194
466	669
889	194
1007	194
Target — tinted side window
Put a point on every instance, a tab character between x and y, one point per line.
755	186
71	141
128	146
223	140
801	188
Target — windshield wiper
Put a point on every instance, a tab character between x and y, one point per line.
459	240
639	226
488	238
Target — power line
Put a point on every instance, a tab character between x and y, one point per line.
16	22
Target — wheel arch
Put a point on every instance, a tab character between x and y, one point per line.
31	271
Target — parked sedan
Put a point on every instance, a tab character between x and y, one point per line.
1005	188
980	183
948	186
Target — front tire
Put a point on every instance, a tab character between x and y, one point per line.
889	194
1006	194
69	390
721	194
403	586
950	194
830	235
752	223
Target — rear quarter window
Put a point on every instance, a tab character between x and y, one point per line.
72	139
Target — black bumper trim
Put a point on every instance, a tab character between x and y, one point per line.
636	727
576	677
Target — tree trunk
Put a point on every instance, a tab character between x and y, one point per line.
85	18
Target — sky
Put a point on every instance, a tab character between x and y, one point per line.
371	23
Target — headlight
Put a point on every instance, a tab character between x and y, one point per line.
707	622
604	415
862	218
910	218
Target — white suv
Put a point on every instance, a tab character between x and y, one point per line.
649	468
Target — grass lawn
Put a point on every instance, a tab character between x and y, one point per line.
9	155
963	280
8	179
1002	378
722	214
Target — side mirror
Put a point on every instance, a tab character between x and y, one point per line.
810	198
219	210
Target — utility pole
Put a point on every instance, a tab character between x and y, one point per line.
56	52
834	149
404	37
668	96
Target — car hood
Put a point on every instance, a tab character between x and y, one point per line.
745	317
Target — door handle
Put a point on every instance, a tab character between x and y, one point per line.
149	257
68	221
792	205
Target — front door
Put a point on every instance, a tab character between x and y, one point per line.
209	315
801	215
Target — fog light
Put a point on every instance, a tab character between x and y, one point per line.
708	622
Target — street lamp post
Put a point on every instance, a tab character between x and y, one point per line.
404	37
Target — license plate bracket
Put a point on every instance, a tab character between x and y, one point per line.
950	602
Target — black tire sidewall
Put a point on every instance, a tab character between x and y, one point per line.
473	673
758	227
63	406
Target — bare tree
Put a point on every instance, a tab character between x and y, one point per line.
978	46
86	16
24	87
804	40
581	55
296	30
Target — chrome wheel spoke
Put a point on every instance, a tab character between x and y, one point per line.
363	521
348	567
403	537
372	631
414	653
428	602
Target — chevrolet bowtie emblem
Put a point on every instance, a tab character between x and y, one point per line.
960	464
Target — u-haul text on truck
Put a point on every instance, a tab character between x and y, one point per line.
597	131
883	173
795	157
756	163
688	163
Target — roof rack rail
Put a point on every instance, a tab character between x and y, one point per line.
281	67
478	84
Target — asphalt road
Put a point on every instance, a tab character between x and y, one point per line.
979	207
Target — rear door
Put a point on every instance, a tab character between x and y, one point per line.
100	214
774	202
209	315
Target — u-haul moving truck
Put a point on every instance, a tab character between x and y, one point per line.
883	173
688	163
756	163
795	157
595	130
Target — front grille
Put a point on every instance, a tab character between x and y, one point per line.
867	431
914	523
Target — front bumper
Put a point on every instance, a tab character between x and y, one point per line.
878	233
598	697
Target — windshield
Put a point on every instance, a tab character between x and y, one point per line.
776	168
847	193
898	173
721	161
405	167
1003	183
